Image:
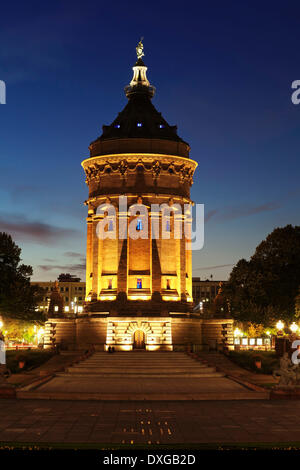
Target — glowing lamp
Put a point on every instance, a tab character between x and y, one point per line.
237	332
294	327
279	325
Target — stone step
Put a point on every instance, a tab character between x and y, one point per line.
211	396
141	363
140	366
141	375
140	370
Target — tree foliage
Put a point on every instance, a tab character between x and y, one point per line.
264	289
18	298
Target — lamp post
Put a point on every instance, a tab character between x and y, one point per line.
279	326
294	328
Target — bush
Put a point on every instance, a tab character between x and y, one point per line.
32	359
246	359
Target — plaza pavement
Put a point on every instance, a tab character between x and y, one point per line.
149	423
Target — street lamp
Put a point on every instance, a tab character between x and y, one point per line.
279	325
237	332
294	327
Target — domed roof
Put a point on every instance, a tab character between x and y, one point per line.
139	118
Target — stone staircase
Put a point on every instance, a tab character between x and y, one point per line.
140	364
139	375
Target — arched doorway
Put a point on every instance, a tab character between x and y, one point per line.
139	340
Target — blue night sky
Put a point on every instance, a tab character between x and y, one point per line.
223	74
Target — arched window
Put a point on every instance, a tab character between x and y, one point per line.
139	284
110	226
139	225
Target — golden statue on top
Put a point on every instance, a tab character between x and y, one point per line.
140	49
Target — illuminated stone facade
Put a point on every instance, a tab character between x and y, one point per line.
139	289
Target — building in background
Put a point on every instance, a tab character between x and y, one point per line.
205	292
71	289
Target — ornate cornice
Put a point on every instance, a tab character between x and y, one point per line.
123	164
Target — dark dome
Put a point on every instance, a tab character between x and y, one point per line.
139	118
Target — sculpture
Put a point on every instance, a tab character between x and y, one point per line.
140	49
287	372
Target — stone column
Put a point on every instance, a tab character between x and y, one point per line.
89	255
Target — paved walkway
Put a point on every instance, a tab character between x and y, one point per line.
140	376
150	423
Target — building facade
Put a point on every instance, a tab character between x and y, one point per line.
205	292
72	293
139	258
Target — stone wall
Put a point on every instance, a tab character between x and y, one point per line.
212	332
186	332
164	333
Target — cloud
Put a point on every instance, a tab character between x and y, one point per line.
245	211
210	214
238	212
72	254
26	230
212	267
62	268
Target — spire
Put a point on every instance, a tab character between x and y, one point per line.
139	83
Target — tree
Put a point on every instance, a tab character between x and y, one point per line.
18	298
264	289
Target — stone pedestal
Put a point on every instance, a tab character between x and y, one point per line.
173	332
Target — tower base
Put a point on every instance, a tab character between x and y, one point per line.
174	332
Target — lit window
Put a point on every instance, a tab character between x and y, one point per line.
139	283
139	225
252	341
56	308
259	342
67	309
139	124
80	308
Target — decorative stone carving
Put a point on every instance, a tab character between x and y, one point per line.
122	167
156	169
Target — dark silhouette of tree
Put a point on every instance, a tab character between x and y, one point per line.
264	289
18	298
